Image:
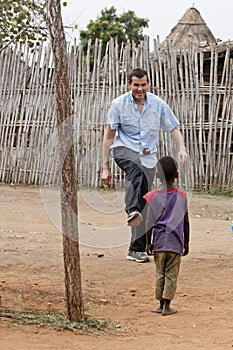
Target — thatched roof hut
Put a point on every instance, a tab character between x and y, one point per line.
191	29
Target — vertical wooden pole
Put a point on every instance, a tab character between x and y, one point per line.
69	207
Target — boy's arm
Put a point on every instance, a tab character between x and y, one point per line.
186	233
149	224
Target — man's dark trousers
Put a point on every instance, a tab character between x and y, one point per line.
138	181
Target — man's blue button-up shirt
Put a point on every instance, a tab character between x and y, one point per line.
137	130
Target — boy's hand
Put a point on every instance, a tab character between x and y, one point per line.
149	249
186	249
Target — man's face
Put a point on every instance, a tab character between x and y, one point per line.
139	88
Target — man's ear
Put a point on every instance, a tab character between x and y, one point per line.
129	83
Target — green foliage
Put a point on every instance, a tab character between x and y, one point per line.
22	21
56	320
126	26
215	191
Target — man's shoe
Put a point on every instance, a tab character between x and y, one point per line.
138	257
134	218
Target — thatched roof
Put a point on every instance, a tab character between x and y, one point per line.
191	29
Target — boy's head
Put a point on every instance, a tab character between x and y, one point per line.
167	169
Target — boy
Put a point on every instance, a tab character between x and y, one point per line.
167	232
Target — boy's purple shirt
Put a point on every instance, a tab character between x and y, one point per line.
169	208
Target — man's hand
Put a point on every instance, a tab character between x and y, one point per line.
106	177
182	156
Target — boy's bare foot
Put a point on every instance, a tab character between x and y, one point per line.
168	311
158	310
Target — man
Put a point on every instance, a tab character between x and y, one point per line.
131	135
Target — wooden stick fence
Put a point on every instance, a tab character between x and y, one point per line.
197	84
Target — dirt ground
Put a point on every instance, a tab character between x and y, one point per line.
32	277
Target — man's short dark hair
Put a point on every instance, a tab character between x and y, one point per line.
167	168
138	73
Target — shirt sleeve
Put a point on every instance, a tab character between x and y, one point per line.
168	119
149	196
113	118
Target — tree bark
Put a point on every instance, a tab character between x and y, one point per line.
68	188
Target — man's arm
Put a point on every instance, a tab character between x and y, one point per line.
182	154
109	136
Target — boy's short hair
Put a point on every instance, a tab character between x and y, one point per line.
167	168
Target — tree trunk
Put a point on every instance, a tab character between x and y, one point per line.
68	188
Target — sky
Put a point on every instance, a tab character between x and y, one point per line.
163	15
